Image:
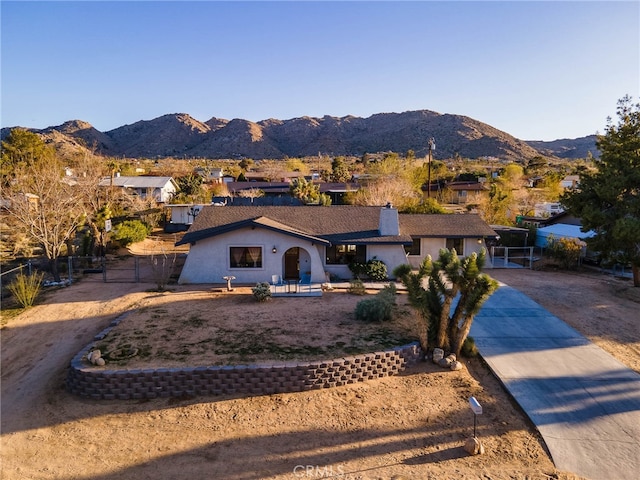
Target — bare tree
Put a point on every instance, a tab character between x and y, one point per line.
163	261
250	193
51	197
43	201
271	169
384	190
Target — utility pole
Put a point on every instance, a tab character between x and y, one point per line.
432	146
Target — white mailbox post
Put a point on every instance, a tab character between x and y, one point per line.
476	408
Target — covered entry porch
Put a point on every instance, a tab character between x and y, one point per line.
295	275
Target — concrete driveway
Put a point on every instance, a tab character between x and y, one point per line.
585	403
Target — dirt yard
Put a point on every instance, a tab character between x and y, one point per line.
410	426
193	325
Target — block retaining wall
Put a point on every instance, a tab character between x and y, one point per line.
102	383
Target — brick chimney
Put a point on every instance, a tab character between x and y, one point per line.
389	221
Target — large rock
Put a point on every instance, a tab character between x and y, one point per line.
94	356
438	354
445	362
473	446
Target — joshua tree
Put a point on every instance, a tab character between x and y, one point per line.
448	279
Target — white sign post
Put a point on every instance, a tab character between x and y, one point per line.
476	408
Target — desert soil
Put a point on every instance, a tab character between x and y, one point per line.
409	426
199	326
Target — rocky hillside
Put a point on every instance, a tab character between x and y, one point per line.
180	135
568	148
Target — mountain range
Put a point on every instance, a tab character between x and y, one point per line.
180	135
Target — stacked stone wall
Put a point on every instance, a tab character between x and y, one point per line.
103	383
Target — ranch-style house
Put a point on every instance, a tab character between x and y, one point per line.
256	243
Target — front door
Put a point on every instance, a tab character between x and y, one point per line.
292	264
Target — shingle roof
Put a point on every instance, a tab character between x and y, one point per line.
335	224
466	186
445	225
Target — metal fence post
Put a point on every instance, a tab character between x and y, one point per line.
70	267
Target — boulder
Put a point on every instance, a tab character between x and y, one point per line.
473	446
456	365
438	354
93	356
445	362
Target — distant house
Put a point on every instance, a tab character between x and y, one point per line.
269	188
462	193
547	209
161	189
570	182
335	191
213	175
255	243
280	176
180	216
563	217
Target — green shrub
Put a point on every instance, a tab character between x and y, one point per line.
376	309
566	251
402	270
469	348
131	231
25	288
376	270
356	287
388	293
262	291
358	269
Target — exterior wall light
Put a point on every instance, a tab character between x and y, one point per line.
274	249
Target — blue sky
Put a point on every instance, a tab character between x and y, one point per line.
538	70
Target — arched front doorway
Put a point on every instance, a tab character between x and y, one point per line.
297	261
292	263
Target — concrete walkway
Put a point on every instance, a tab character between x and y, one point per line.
585	403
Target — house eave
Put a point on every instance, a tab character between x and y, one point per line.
250	223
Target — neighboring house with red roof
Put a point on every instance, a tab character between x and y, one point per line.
253	243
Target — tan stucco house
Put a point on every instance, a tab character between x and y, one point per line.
254	243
